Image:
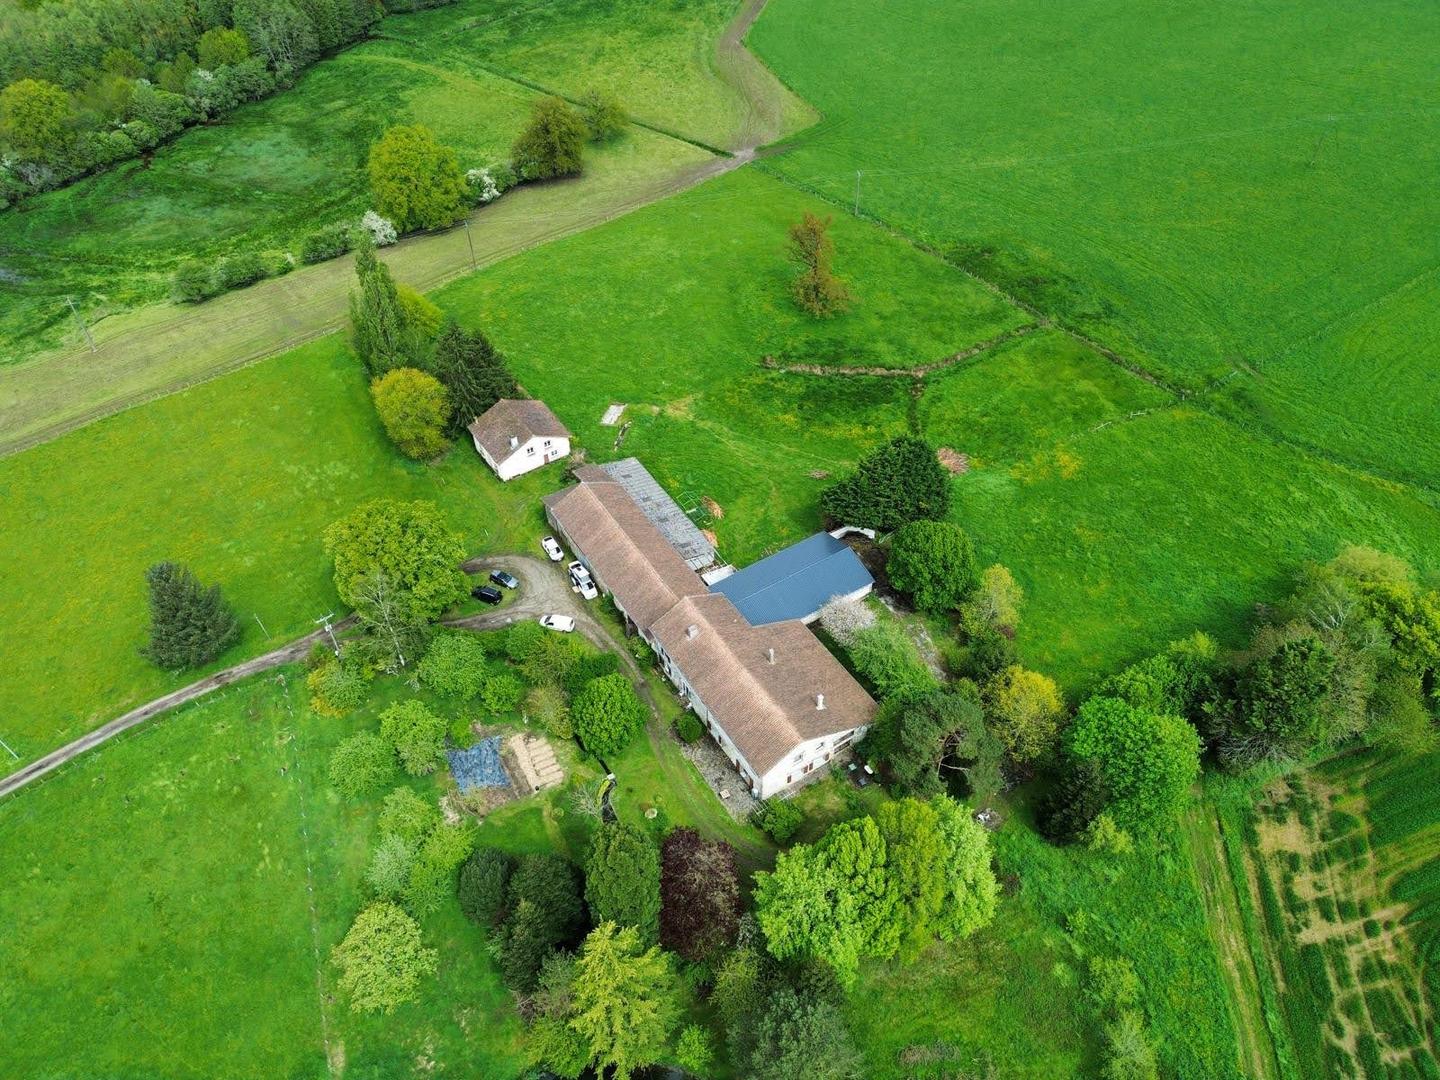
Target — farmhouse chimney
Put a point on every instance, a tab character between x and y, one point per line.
819	702
514	441
771	653
692	631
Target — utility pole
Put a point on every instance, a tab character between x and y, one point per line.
7	747
857	192
84	329
468	240
262	625
325	619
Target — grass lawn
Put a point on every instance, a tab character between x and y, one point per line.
236	478
277	169
1228	188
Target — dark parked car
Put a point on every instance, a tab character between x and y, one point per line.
500	577
487	593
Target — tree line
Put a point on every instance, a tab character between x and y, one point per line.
91	82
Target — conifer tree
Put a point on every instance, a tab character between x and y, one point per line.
380	331
472	372
190	624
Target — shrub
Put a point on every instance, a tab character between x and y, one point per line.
415	411
889	660
689	728
390	864
193	282
432	876
239	270
501	694
780	818
382	959
381	229
454	665
483	882
549	708
337	689
522	639
607	714
417	735
842	619
693	1052
408	816
323	244
361	765
587	668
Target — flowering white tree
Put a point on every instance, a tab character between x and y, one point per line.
381	230
842	619
486	190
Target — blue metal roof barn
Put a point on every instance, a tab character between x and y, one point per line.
796	582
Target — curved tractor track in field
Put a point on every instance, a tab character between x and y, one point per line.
158	350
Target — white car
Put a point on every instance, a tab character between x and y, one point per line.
581	579
562	623
552	548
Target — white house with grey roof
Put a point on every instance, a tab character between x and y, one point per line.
771	696
517	435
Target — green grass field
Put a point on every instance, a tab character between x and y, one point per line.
236	478
1130	520
174	898
277	169
673	308
1231	187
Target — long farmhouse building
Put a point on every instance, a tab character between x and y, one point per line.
771	696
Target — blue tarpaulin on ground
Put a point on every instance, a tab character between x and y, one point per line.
479	766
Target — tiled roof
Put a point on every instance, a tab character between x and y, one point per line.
764	684
624	550
522	419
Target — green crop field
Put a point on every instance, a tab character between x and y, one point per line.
277	169
1336	873
1230	190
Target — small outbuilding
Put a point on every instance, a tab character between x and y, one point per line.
796	582
517	435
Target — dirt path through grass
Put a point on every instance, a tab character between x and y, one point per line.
288	654
1227	929
155	351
